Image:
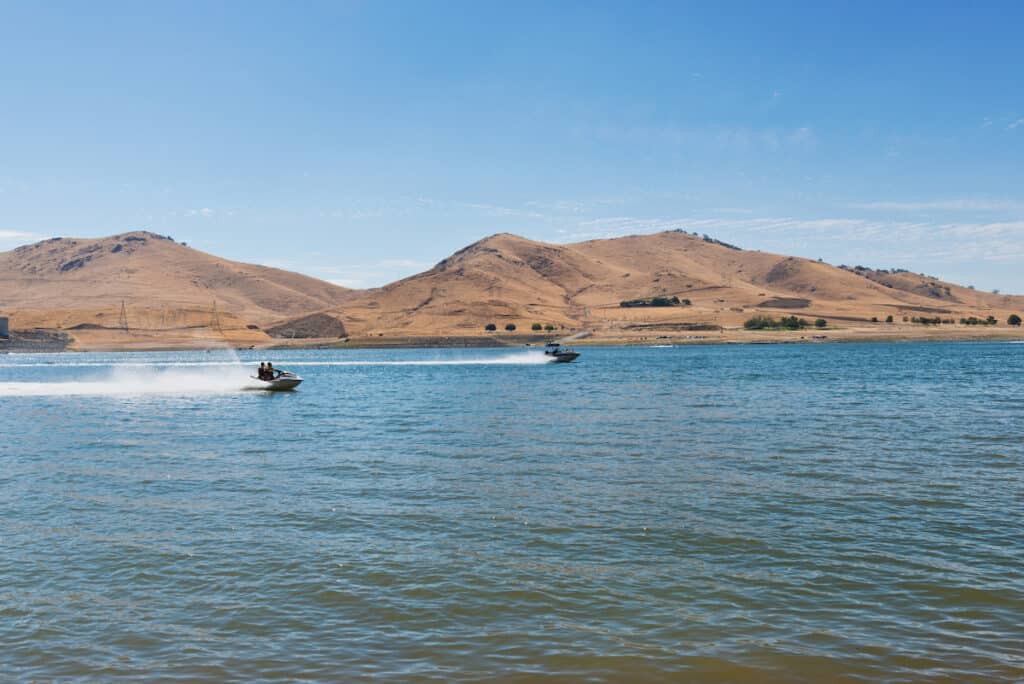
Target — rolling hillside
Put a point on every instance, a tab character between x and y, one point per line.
177	296
171	293
507	279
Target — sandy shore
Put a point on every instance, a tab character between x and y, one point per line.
116	341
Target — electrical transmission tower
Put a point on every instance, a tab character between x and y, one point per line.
122	321
215	318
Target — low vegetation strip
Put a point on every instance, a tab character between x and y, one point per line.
784	323
672	326
786	303
655	301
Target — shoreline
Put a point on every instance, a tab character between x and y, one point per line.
607	339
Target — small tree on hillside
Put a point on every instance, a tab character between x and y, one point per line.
820	323
510	327
536	326
888	319
549	327
490	327
1014	319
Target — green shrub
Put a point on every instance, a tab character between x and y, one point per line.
759	323
490	327
769	323
655	301
510	327
549	327
1014	319
536	326
820	323
888	319
793	323
874	319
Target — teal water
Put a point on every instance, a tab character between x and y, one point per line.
723	513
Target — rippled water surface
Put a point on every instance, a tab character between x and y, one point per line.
733	514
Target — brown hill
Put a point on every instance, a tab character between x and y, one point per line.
507	279
171	293
176	296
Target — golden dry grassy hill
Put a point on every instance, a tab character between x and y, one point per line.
172	294
507	279
178	296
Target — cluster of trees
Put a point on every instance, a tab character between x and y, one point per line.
1014	319
511	327
784	323
656	301
888	319
991	320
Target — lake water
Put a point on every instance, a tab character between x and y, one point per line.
716	513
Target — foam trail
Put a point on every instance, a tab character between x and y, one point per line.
134	381
517	359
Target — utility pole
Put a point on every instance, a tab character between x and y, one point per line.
215	318
122	321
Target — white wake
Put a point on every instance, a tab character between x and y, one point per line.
139	381
516	359
204	377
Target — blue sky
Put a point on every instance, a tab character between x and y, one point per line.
364	141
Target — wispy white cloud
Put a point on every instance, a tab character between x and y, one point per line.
900	240
575	206
17	237
204	212
1015	124
735	138
956	204
494	210
351	283
373	274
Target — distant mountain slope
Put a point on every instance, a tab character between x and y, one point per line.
507	279
78	283
173	294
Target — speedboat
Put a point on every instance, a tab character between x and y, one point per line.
556	353
282	382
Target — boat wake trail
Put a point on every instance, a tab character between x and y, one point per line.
207	377
122	381
517	359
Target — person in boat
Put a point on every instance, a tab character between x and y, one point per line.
270	371
262	373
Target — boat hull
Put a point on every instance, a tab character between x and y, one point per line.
279	385
563	357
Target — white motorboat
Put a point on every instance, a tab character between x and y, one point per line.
556	353
282	382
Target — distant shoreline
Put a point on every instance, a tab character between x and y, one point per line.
605	339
